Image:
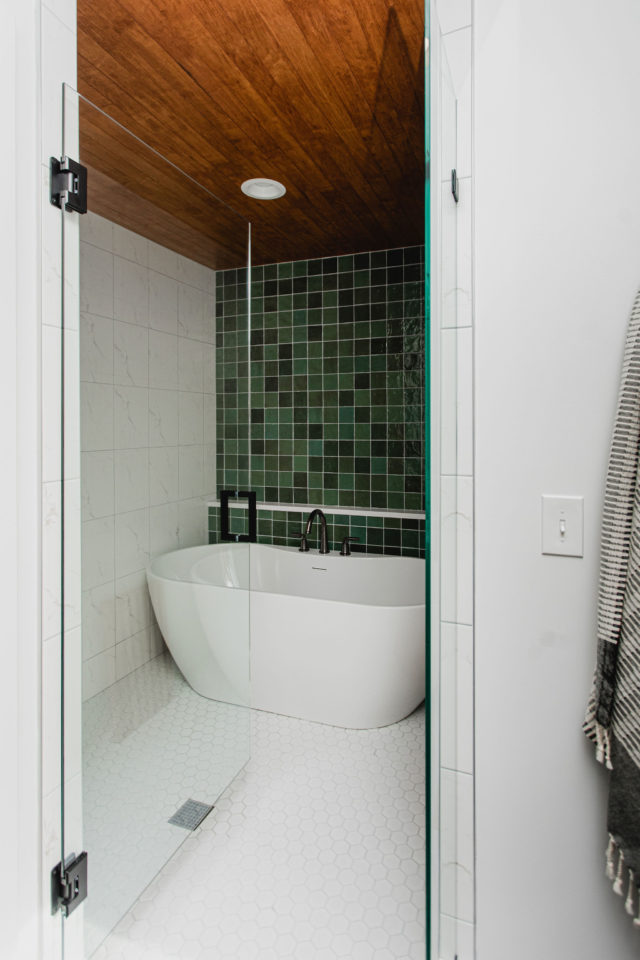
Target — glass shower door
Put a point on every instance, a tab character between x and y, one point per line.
155	754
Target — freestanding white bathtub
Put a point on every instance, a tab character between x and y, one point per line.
339	640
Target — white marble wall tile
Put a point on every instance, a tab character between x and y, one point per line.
132	653
163	418
448	122
163	475
190	418
98	480
456	939
72	404
96	417
464	244
131	417
456	511
191	471
98	552
72	553
192	273
456	452
163	260
133	605
131	479
51	558
192	522
454	15
456	675
51	402
73	703
142	439
131	292
51	823
209	368
210	480
190	365
163	303
449	262
130	355
448	401
51	254
456	845
130	246
97	231
210	318
163	529
96	281
98	673
65	10
131	542
71	271
457	46
163	360
191	312
210	419
51	727
464	400
96	348
98	620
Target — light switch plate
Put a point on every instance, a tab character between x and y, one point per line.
562	526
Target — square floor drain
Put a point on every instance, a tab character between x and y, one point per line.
191	814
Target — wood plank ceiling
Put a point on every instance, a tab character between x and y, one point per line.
326	96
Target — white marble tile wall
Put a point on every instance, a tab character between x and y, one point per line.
451	29
147	367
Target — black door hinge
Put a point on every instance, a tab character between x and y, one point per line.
69	884
68	184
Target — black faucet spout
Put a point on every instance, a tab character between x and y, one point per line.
324	543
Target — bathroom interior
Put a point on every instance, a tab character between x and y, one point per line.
372	748
253	486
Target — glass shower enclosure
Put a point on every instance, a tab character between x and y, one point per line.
143	757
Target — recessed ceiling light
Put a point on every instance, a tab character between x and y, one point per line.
263	189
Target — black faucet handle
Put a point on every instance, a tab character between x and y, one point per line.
304	546
345	549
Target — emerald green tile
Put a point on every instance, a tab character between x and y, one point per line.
288	420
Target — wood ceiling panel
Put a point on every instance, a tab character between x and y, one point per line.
324	95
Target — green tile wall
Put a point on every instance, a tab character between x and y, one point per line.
326	406
388	535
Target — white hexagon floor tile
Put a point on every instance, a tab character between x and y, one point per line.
315	851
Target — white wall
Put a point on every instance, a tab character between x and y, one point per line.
148	433
557	243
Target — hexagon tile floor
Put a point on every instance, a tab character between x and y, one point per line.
316	851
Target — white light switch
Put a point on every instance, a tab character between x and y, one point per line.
562	526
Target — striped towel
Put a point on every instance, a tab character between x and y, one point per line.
613	714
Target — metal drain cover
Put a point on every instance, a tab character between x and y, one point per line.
191	814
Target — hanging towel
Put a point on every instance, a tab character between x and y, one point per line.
612	720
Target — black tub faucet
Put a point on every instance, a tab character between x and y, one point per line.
324	543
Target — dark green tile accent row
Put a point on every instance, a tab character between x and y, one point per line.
327	403
386	535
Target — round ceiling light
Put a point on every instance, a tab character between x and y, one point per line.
262	189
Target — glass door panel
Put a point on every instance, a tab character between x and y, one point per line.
162	737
